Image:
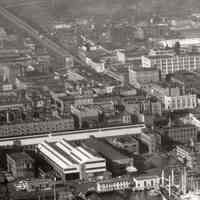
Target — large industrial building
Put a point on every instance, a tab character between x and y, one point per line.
116	160
70	161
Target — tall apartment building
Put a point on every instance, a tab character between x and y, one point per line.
172	63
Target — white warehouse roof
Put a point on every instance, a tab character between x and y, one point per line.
68	157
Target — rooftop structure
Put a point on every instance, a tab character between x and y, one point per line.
71	161
20	165
189	80
183	42
106	150
168	64
143	75
95	78
20	156
180	132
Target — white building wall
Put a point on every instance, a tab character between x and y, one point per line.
183	42
147	183
171	64
193	120
146	62
180	102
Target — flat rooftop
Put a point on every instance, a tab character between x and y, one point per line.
91	75
167	84
66	155
189	79
19	156
171	56
104	149
144	69
186	77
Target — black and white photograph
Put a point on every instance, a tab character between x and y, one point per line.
99	99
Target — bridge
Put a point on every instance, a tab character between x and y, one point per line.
74	135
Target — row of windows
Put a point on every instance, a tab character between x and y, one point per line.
6	131
183	137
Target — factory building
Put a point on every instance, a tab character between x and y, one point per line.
117	162
70	161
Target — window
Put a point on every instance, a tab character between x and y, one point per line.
145	183
152	183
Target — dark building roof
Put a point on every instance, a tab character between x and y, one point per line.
105	149
20	156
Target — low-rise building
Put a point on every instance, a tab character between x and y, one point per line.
155	30
86	114
161	51
133	104
116	160
139	76
33	185
180	133
152	106
72	161
151	140
114	184
126	142
156	108
188	156
146	182
162	89
188	80
119	119
180	102
194	119
21	165
168	64
183	42
30	128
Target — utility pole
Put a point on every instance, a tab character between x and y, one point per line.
54	189
170	186
163	178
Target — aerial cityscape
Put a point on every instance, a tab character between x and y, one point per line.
100	100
